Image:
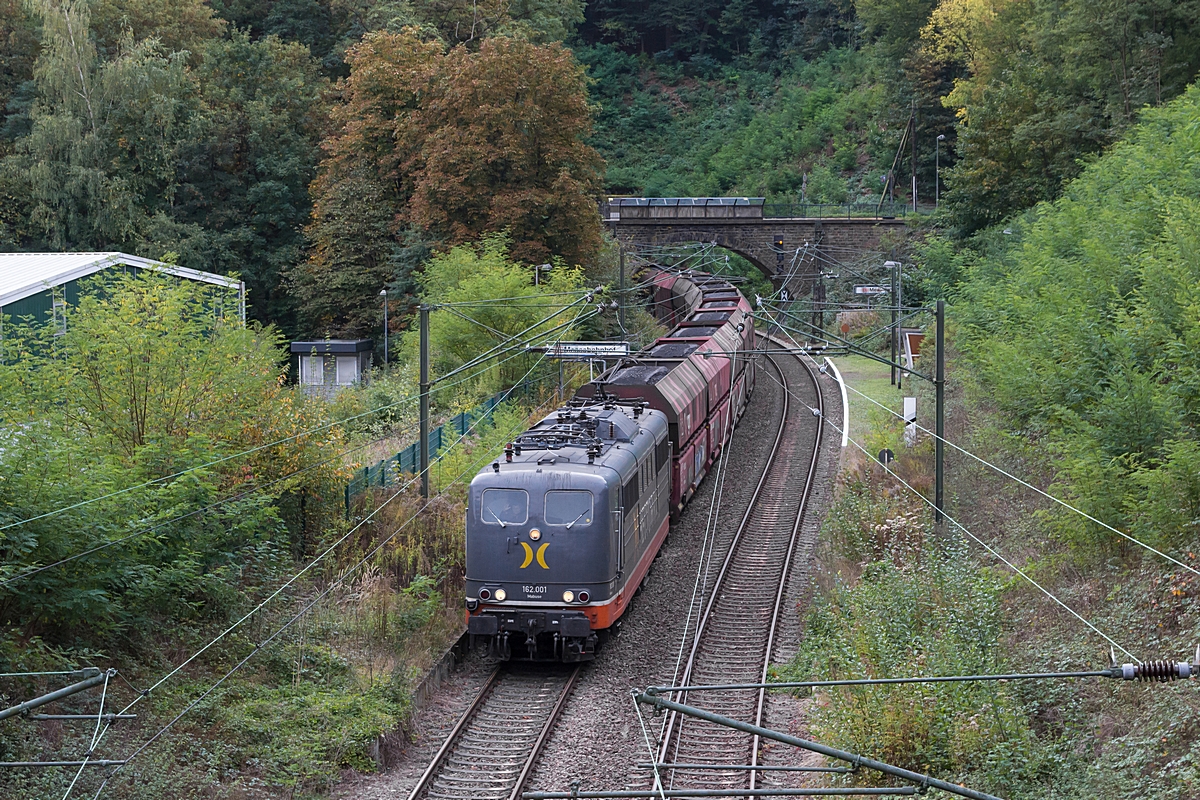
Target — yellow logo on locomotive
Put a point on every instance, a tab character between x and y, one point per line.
541	555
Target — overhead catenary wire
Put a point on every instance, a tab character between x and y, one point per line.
1031	486
177	669
971	535
248	492
275	443
179	518
514	298
516	352
303	611
826	337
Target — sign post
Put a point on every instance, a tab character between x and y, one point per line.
591	352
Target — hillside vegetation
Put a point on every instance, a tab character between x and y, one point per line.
1075	333
165	491
1083	327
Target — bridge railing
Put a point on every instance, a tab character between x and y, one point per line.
872	210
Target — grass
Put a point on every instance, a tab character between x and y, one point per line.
874	380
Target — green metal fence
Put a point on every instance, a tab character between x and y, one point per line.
389	471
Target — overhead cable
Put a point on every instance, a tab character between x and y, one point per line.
303	611
964	529
1029	485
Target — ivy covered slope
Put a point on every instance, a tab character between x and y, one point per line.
781	130
1083	324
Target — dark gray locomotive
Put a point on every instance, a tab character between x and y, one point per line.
562	530
571	518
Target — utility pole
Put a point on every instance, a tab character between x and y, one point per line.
423	446
939	383
912	121
937	169
899	314
894	266
383	294
621	293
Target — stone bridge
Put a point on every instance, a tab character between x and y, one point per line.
771	243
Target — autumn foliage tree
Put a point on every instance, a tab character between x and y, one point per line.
450	144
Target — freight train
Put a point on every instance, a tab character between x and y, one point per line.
562	530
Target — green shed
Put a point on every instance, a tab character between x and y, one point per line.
39	284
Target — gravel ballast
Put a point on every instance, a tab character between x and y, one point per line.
598	740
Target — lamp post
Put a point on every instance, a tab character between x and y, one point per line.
537	272
383	294
937	169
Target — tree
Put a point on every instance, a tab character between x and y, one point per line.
502	149
479	275
1083	327
153	377
176	24
206	153
455	145
18	50
105	136
1047	81
242	199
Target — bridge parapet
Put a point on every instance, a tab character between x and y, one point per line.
783	248
621	208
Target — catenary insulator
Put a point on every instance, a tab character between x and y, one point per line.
1159	671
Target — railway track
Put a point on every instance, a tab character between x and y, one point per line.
491	750
736	630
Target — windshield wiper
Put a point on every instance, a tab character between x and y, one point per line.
572	522
493	513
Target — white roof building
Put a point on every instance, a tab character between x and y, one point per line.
33	284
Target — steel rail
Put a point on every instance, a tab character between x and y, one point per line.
837	791
787	569
702	623
544	735
1111	672
452	737
460	734
689	767
673	730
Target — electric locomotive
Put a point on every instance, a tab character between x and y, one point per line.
562	531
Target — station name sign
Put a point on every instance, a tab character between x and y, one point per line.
871	290
586	350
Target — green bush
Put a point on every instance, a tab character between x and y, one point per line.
146	402
920	611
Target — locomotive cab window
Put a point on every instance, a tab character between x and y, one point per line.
569	507
504	507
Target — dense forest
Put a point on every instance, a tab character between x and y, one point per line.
255	137
324	150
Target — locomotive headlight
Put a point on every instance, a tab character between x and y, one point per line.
500	595
568	596
535	534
